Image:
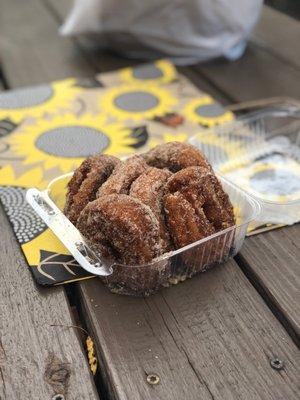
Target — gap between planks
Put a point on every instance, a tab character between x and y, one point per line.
271	263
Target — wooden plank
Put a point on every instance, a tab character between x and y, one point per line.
278	33
270	66
272	261
31	50
262	72
258	74
211	337
29	55
100	59
26	335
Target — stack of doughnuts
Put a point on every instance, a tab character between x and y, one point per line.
134	211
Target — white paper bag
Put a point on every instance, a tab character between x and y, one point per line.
186	31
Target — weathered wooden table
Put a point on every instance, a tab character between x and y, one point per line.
213	337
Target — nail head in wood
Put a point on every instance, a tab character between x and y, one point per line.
276	363
153	379
58	397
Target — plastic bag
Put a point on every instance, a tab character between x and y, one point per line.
186	31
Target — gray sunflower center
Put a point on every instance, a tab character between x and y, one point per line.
277	182
136	101
26	97
72	141
148	71
210	110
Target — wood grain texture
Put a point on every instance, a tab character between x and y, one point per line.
258	74
211	337
31	50
272	262
279	34
26	334
270	66
30	54
102	60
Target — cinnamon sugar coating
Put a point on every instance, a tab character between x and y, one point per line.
175	156
149	189
123	176
184	224
86	180
196	207
205	193
126	227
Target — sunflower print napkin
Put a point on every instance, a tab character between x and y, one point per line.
48	130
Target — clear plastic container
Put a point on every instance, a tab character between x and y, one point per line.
180	264
246	146
260	153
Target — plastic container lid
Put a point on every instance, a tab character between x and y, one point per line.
260	153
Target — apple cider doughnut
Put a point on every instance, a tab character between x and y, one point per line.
123	176
175	156
124	226
205	193
196	207
86	180
149	189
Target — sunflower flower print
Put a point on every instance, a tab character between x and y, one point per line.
65	141
36	101
206	111
161	71
136	102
